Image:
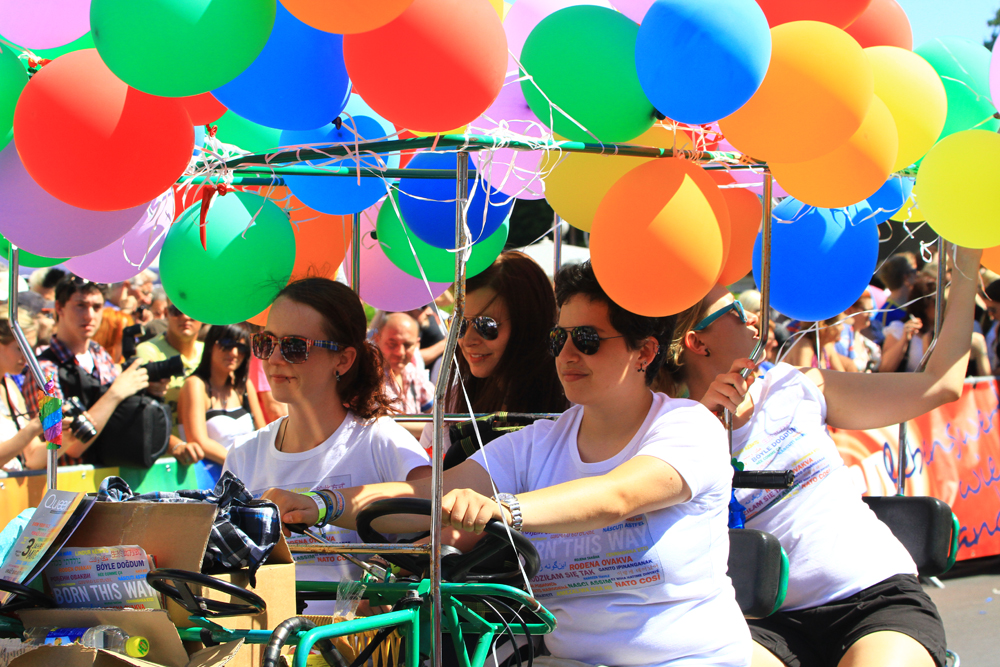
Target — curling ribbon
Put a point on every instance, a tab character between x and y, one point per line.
51	416
207	194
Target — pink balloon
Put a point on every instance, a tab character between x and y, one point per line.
524	15
634	9
383	285
514	173
44	24
32	219
134	252
754	178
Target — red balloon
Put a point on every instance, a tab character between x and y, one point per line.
436	67
92	141
884	23
203	108
840	13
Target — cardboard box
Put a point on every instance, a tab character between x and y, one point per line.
165	647
176	535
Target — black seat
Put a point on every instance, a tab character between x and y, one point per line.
924	525
758	567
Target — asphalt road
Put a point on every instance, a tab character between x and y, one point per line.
970	607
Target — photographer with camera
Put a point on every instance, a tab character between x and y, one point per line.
83	370
169	358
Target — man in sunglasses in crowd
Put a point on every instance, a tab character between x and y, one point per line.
180	338
412	392
78	307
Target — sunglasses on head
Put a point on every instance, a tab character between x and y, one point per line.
708	319
294	349
585	339
230	343
485	326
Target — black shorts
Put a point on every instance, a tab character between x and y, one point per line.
822	635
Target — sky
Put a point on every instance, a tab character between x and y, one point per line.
949	18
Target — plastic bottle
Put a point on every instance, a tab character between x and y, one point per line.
107	637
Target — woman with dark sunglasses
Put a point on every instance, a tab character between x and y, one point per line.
626	496
218	403
337	432
853	594
504	364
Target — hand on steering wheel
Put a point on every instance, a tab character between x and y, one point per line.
176	585
468	567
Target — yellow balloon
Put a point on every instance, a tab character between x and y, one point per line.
911	210
457	130
959	190
913	91
577	184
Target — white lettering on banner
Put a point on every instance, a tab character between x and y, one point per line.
782	452
596	561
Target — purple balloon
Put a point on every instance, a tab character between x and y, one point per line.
134	252
513	173
755	179
32	219
634	9
383	284
524	15
44	24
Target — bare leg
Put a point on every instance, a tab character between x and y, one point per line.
886	649
764	658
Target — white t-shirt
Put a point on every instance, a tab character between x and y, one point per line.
915	350
653	589
357	453
836	546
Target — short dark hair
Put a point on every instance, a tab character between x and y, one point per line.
579	280
993	290
70	284
52	278
895	271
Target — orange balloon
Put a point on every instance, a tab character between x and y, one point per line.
814	97
346	16
575	186
321	240
850	173
745	215
656	243
884	23
991	258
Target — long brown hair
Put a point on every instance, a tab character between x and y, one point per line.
525	378
671	378
361	387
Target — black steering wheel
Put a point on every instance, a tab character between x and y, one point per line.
478	565
179	590
23	597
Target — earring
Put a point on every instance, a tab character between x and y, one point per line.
337	373
642	369
708	352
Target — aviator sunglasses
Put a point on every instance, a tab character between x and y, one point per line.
294	349
585	338
735	306
230	343
485	326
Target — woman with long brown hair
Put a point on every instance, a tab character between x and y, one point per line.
337	433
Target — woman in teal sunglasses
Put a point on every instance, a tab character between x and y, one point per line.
853	594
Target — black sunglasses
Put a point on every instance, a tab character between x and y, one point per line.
585	338
174	310
230	343
294	349
485	326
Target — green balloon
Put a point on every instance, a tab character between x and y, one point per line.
25	258
241	273
583	59
177	48
248	135
969	103
438	263
13	79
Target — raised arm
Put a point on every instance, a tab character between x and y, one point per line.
862	401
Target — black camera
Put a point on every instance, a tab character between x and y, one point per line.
130	338
81	427
162	370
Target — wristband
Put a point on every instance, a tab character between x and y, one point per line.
509	500
337	504
320	506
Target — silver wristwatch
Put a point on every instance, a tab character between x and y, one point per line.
509	500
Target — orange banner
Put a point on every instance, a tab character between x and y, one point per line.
954	456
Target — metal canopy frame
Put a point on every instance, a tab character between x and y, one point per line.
269	168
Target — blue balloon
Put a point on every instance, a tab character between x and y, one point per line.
701	60
298	82
821	259
889	198
433	221
339	195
